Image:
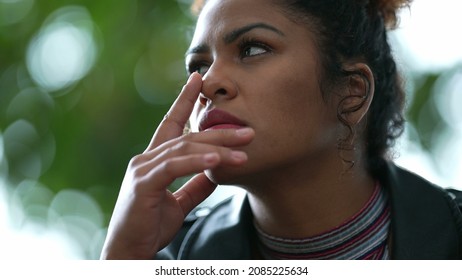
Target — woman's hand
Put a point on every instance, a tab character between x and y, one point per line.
147	216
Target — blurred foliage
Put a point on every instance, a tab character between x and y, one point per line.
66	143
435	120
80	135
101	121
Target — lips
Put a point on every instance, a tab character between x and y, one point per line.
218	119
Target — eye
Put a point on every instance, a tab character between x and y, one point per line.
254	51
251	48
200	68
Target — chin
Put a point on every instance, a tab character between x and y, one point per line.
226	176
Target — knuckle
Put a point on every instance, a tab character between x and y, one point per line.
188	136
168	168
224	135
135	161
171	119
182	147
165	121
138	172
225	132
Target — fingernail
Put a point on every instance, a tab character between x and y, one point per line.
190	77
238	155
244	131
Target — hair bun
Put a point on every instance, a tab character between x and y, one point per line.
389	10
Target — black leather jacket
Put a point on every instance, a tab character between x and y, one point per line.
426	223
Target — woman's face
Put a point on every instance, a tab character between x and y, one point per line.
263	68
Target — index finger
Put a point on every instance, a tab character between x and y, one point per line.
176	118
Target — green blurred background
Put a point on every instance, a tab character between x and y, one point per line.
83	85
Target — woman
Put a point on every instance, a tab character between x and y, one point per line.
298	103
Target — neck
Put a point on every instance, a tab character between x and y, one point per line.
308	200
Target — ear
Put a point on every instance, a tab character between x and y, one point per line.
357	98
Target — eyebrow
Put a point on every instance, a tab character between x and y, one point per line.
234	35
198	49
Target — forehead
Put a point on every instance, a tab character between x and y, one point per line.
220	16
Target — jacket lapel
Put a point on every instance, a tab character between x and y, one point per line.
225	234
422	221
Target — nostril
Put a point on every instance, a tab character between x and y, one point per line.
221	91
203	100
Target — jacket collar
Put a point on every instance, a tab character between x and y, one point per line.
225	234
423	223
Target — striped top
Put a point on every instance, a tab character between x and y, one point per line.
363	237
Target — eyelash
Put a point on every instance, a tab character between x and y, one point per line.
247	43
194	66
244	45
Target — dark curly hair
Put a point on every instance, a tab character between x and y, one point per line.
352	30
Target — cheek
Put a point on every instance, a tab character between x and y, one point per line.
296	116
297	100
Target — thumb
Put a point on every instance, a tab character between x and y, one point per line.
196	190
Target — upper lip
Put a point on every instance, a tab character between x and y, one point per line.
217	117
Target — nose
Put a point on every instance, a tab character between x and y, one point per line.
218	84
